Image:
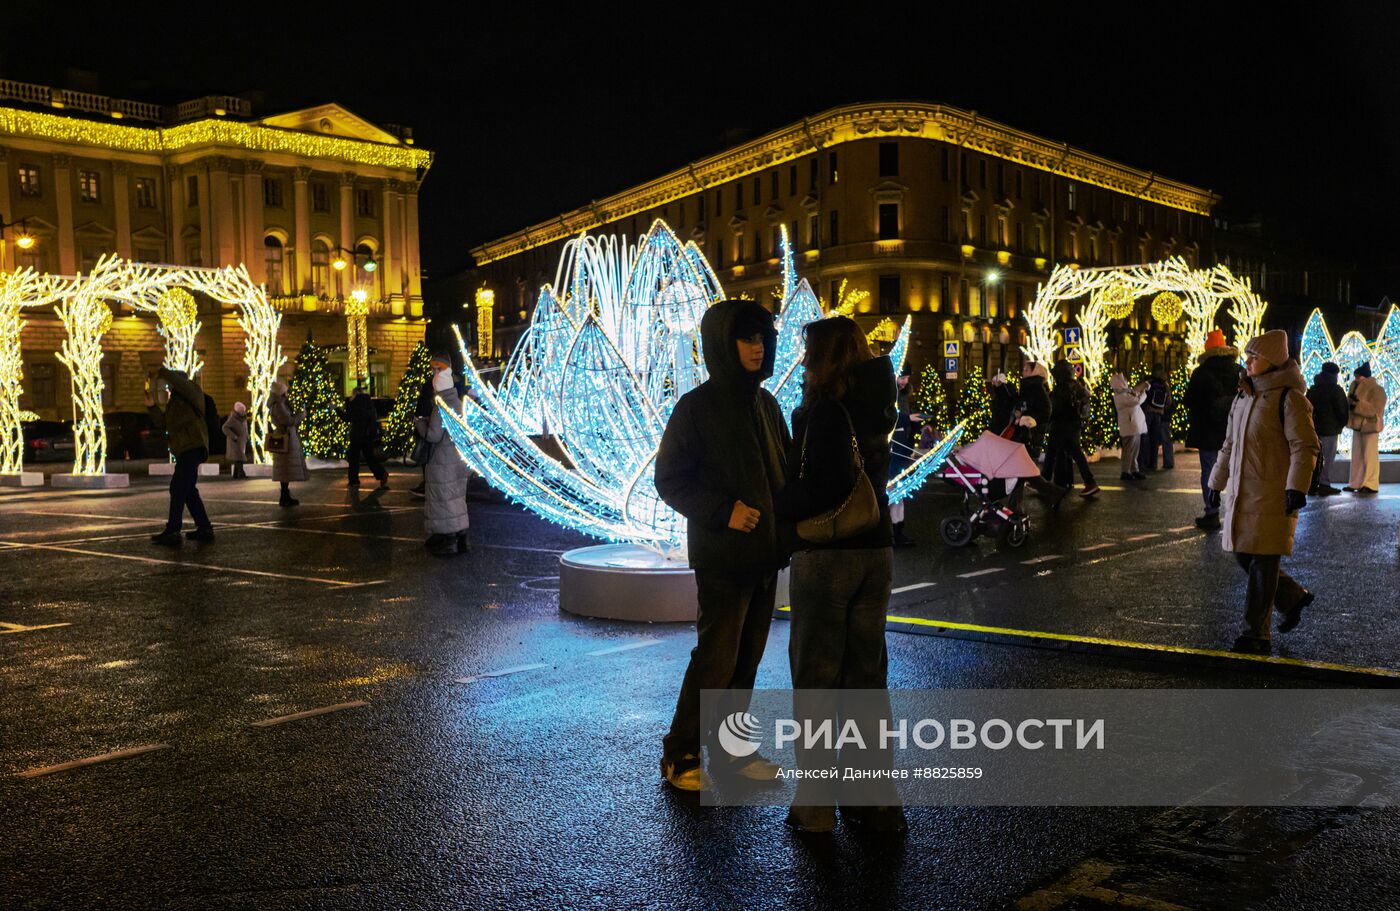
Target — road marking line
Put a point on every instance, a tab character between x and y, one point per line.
624	648
909	588
310	713
205	566
1144	537
1045	559
93	760
276	526
980	572
1085	550
1182	528
1141	550
17	628
503	672
1147	646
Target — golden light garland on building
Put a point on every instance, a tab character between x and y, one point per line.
24	288
1166	307
253	137
356	332
485	322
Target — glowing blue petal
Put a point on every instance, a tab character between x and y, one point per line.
901	345
904	485
607	425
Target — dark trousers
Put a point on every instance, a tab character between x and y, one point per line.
1159	433
839	668
185	492
363	446
1063	455
1269	587
731	630
1208	459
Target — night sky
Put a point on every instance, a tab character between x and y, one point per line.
533	116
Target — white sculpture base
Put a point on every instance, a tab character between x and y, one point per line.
161	468
315	464
208	469
22	479
626	582
92	481
257	471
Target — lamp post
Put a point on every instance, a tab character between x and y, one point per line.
343	257
23	239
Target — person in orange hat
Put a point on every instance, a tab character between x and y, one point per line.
1209	395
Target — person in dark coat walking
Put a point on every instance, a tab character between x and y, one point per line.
1004	397
364	437
1330	412
1032	414
1069	406
841	589
1158	409
1210	393
183	421
720	462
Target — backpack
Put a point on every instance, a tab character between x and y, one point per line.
1158	396
1079	397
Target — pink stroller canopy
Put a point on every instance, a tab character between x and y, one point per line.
997	457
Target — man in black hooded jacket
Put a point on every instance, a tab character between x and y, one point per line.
720	463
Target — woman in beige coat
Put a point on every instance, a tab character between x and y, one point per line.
290	465
1264	468
1367	400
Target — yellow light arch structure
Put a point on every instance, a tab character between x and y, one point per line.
84	308
1112	292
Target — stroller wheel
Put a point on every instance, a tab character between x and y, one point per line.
957	531
1016	534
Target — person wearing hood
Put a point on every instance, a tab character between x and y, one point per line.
1330	413
1264	469
288	460
1157	408
1069	408
1210	393
1132	424
1004	396
840	589
1032	414
235	431
183	421
446	476
720	464
1367	400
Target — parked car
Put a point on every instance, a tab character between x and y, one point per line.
132	435
48	441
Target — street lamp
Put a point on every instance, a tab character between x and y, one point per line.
23	239
341	261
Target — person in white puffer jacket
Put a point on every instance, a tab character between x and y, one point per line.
445	484
1132	423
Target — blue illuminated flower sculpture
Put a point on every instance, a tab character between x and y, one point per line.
572	429
1383	355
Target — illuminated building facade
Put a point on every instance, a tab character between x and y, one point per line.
929	210
319	204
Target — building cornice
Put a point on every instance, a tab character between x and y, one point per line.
851	123
212	132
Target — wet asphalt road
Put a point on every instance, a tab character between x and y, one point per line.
538	789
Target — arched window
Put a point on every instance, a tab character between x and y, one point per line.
272	260
320	268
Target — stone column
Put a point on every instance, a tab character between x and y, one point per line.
390	267
347	211
206	225
301	227
63	195
222	225
254	259
121	203
175	213
415	279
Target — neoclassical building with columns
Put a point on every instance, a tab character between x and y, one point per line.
317	203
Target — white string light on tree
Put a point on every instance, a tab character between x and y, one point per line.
18	290
356	332
179	324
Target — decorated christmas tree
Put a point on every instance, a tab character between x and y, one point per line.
1101	430
974	408
398	430
931	400
324	433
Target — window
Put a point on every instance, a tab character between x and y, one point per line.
963	171
718	253
773	187
835	292
1001	178
1072	204
757	244
833	175
272	260
889	221
889	159
149	255
88	187
145	193
1040	238
982	227
320	198
814	230
792	181
778	240
192	190
1142	218
193	255
1020	300
364	203
947	164
738	195
962	296
889	294
39	386
1020	237
29	184
944	289
945	225
320	267
272	193
1094	248
88	255
967	226
33	258
833	229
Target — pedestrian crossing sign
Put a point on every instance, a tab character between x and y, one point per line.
1072	354
950	349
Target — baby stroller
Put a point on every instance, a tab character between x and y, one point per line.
989	473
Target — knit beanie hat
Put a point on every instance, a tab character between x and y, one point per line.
1272	347
1215	339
